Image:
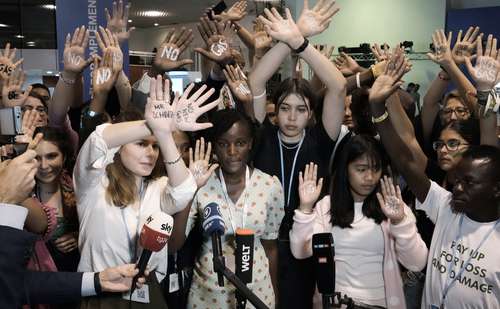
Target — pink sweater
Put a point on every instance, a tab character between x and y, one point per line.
401	242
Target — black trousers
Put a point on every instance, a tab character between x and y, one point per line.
296	281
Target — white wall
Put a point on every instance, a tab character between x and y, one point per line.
391	21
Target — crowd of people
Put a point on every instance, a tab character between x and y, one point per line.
412	202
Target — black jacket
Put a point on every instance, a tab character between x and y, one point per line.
19	286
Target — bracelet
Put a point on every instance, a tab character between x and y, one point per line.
358	82
381	118
173	162
260	95
97	284
482	97
302	47
305	212
67	81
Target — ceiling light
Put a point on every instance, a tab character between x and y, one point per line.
19	36
49	6
30	43
50	72
4	26
156	24
152	13
130	20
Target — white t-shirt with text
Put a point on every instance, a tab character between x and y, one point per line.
453	243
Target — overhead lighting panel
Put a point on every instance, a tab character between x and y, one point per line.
152	13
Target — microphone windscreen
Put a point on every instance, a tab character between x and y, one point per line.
156	231
323	253
244	254
212	220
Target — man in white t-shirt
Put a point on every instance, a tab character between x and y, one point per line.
463	269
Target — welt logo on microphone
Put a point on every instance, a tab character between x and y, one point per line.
245	258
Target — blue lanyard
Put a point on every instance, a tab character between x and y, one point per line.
287	193
448	285
131	244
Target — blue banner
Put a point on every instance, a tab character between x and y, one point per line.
75	13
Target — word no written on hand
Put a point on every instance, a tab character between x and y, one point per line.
219	48
170	53
74	59
103	75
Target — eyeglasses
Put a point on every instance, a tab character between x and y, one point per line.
459	111
451	144
39	109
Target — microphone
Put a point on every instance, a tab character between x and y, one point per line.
324	264
154	236
213	225
244	260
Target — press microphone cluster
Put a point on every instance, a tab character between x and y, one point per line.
323	254
154	236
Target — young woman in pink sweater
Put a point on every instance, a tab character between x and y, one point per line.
370	236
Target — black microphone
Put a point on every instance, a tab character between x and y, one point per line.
244	260
324	265
213	225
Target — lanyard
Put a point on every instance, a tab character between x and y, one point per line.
230	202
448	285
132	246
287	193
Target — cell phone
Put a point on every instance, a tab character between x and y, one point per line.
10	121
217	9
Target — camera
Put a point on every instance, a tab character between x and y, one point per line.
10	121
10	127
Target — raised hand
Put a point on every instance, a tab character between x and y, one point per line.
390	80
20	172
12	94
167	56
199	163
391	201
108	43
314	21
380	54
163	117
238	84
235	13
284	30
104	75
117	21
217	45
442	53
74	52
29	125
7	65
309	187
261	42
347	65
486	72
464	47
